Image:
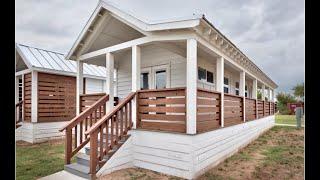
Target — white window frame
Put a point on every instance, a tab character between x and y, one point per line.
236	89
154	69
205	81
226	85
149	71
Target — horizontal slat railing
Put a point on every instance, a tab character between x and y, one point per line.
250	109
113	126
162	109
266	108
86	100
260	108
75	138
233	110
208	110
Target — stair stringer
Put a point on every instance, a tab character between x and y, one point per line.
121	159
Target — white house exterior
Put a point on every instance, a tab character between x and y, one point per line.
188	96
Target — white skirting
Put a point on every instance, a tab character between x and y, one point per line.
39	132
186	156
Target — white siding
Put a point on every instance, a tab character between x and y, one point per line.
39	132
184	155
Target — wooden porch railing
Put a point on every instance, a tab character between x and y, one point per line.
19	107
162	109
113	126
250	109
233	110
208	110
82	122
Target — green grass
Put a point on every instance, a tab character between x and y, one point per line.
39	160
286	119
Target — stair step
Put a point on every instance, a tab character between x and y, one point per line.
78	169
113	150
84	159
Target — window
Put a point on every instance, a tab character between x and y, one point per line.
226	85
209	77
237	88
144	80
202	73
161	79
246	91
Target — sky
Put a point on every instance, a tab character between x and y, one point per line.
270	33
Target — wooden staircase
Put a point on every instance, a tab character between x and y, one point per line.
104	132
19	107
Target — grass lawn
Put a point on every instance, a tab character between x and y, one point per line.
277	154
38	160
286	119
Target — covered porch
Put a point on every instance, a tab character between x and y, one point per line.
181	85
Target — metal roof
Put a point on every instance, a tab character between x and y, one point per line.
45	59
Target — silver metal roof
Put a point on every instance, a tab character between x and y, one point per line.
45	59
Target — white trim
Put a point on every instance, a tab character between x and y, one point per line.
79	84
147	70
109	80
136	68
191	92
220	85
23	57
34	96
159	68
25	71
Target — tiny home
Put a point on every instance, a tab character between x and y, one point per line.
187	96
46	91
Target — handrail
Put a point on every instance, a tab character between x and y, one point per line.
112	126
86	112
19	103
93	94
111	113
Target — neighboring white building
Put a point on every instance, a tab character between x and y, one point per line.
41	76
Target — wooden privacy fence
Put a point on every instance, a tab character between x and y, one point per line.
250	109
233	109
19	106
208	110
86	100
113	126
162	109
75	137
27	97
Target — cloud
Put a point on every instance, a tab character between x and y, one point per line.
271	33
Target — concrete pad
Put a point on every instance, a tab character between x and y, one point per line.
63	175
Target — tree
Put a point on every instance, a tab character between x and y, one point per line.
283	99
298	90
259	95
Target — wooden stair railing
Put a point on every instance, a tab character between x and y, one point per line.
19	112
83	121
115	124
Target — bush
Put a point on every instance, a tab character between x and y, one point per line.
283	100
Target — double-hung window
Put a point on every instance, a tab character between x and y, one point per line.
226	85
205	75
237	88
246	91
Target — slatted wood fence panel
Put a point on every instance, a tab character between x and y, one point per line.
233	109
86	100
260	109
266	108
250	109
56	97
27	97
272	108
163	110
208	110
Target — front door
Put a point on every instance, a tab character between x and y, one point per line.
155	77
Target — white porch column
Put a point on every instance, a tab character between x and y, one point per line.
242	86
255	93
79	85
254	88
136	61
109	80
219	85
191	103
263	89
34	96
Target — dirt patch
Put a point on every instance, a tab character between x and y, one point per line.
137	173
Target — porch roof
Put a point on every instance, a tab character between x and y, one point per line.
36	58
199	23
